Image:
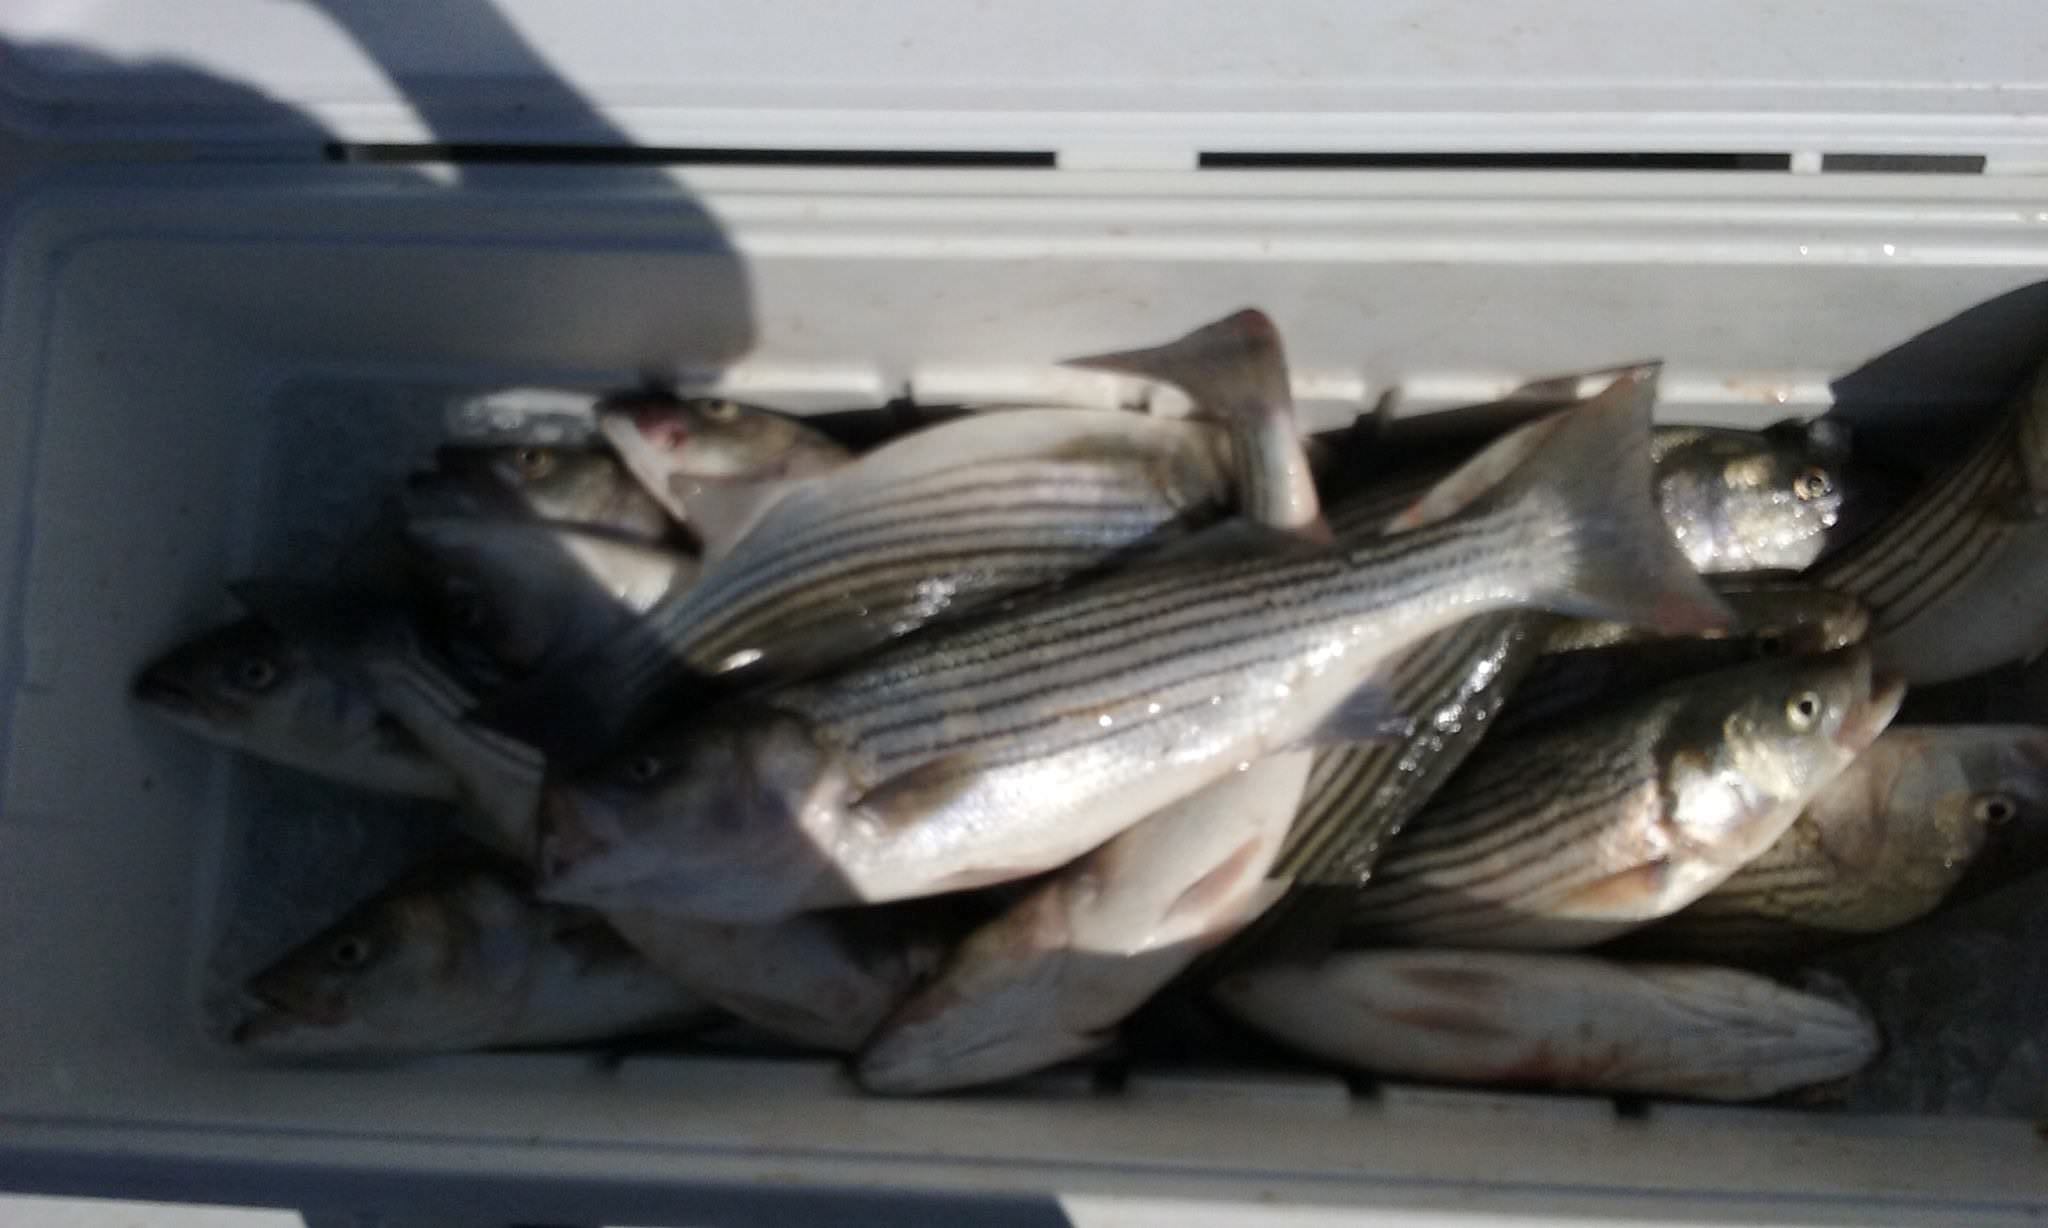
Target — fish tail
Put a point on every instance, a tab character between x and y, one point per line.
1587	471
1235	370
500	776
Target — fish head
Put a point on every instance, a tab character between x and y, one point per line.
708	818
497	584
1965	791
248	686
678	447
437	963
583	486
1787	620
1752	501
1776	732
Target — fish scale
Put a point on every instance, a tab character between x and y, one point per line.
1007	745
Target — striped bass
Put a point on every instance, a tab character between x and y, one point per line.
251	687
994	750
1049	979
715	465
818	981
1882	845
953	518
457	956
1561	1021
1957	578
1566	838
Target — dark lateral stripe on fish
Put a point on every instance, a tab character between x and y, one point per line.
450	700
1531	832
932	510
1899	536
1913	560
1055	654
869	584
1356	794
1079	733
1076	680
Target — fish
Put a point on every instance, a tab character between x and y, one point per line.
820	980
931	527
458	956
247	686
1050	978
1569	837
1957	578
715	465
528	595
1881	846
1750	501
1585	664
1572	1022
987	752
588	487
1457	683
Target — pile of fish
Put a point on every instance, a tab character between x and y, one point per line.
1545	767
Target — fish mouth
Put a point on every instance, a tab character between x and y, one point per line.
169	694
273	1015
570	845
1866	720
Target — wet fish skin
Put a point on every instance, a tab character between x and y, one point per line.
716	465
458	957
246	686
1585	664
1561	1021
1882	845
1957	578
529	595
576	486
820	980
1746	501
992	751
958	517
1567	838
1050	978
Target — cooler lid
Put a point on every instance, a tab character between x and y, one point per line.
1140	80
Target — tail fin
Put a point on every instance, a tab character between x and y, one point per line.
500	776
1236	370
1588	468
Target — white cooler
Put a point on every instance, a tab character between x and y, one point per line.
239	283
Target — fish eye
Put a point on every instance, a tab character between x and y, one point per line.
534	463
1812	484
1995	808
1802	710
1770	644
255	673
722	411
643	769
349	952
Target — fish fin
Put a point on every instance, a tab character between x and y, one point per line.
499	775
1591	473
723	513
1615	897
1476	477
1368	714
1235	370
907	797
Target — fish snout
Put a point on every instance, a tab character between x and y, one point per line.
569	836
